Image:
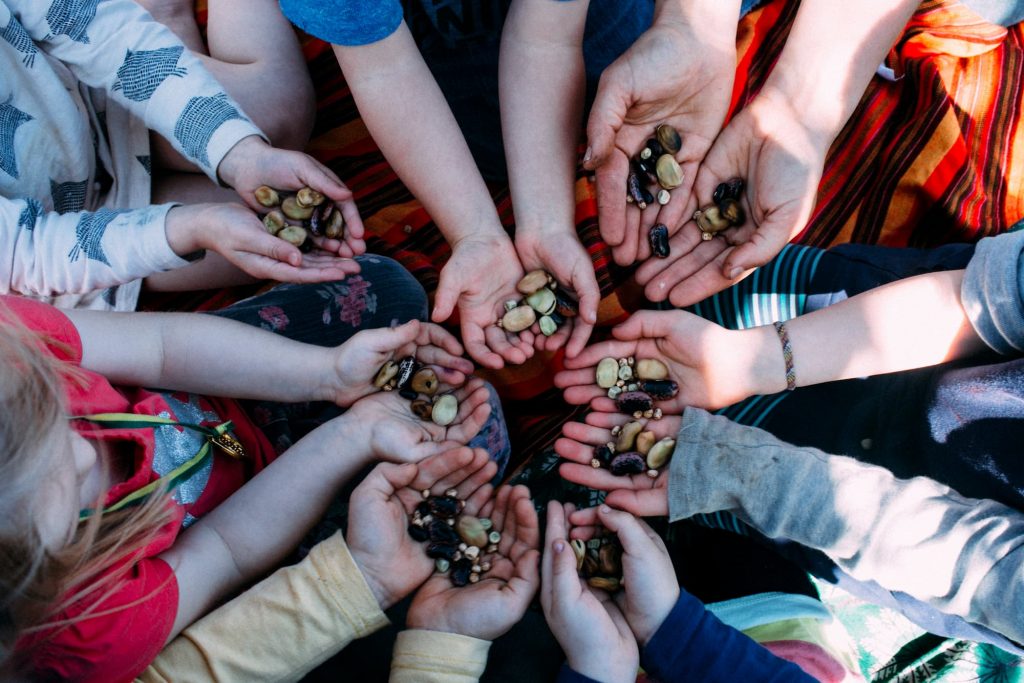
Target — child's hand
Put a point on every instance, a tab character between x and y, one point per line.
679	72
479	277
638	494
487	609
562	255
588	624
390	431
237	234
782	160
252	162
392	563
357	361
649	579
714	367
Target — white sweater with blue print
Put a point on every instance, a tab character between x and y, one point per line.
81	84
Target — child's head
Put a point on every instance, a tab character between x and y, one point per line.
48	560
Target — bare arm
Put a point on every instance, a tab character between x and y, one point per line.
201	354
406	113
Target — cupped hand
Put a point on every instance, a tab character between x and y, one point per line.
713	366
252	163
391	431
562	255
588	624
639	493
677	73
237	234
479	278
782	160
392	563
357	361
649	579
490	607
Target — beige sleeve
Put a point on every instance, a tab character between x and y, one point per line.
435	657
279	629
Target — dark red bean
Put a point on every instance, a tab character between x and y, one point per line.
658	239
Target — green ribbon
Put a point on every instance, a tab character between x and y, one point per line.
173	478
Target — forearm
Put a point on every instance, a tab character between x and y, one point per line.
542	79
903	325
300	615
47	253
832	52
202	354
410	120
961	555
253	530
145	67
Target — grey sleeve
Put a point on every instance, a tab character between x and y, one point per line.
961	555
991	292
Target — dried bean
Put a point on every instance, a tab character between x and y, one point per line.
425	381
625	464
532	281
627	436
651	368
658	239
445	410
607	373
730	189
418	533
290	207
669	138
660	453
670	173
660	389
630	402
267	196
308	197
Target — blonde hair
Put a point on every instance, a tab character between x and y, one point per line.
38	583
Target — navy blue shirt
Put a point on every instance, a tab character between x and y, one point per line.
693	645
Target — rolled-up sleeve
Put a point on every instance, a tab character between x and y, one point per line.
345	22
991	292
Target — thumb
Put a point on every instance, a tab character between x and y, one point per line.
391	338
400	476
607	115
645	325
445	298
631	533
764	244
565	581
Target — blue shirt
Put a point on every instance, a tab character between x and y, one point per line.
361	22
693	645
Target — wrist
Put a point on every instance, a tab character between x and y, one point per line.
708	15
238	158
349	430
600	667
382	595
184	228
489	239
766	365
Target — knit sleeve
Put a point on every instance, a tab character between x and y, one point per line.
992	292
434	657
116	46
46	253
281	628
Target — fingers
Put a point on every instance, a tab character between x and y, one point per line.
476	341
391	339
527	522
593	354
763	245
649	324
607	115
474	409
439	337
611	198
634	536
438	471
497	341
384	480
447	295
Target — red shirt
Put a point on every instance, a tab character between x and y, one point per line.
118	644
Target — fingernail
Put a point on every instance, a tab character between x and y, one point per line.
589	153
559	546
735	273
605	509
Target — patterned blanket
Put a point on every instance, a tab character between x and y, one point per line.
935	155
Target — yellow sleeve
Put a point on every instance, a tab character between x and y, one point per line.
279	629
435	657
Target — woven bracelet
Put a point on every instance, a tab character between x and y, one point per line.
787	355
